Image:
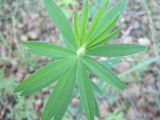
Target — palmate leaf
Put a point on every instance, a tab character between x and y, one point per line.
115	50
75	62
103	72
60	96
86	92
48	49
44	76
59	18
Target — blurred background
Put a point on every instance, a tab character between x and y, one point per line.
23	20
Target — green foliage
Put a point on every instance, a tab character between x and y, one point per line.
141	65
61	95
116	50
73	62
48	49
86	92
111	62
116	115
103	73
84	22
97	20
61	22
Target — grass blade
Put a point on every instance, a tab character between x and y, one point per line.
103	73
116	50
60	96
141	64
96	108
47	49
86	92
59	18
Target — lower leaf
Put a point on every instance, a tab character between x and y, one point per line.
86	92
103	72
60	96
43	77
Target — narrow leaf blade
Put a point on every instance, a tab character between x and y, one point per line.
76	28
104	39
103	73
106	31
84	21
47	49
111	62
96	88
60	96
59	18
116	9
98	18
115	50
86	92
96	109
43	77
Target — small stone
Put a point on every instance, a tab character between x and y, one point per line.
33	34
75	102
144	41
24	38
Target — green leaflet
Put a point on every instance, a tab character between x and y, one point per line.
96	88
79	111
97	114
76	28
115	50
97	19
60	96
86	92
103	72
96	108
61	22
104	38
104	32
84	21
48	49
111	62
43	77
118	8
